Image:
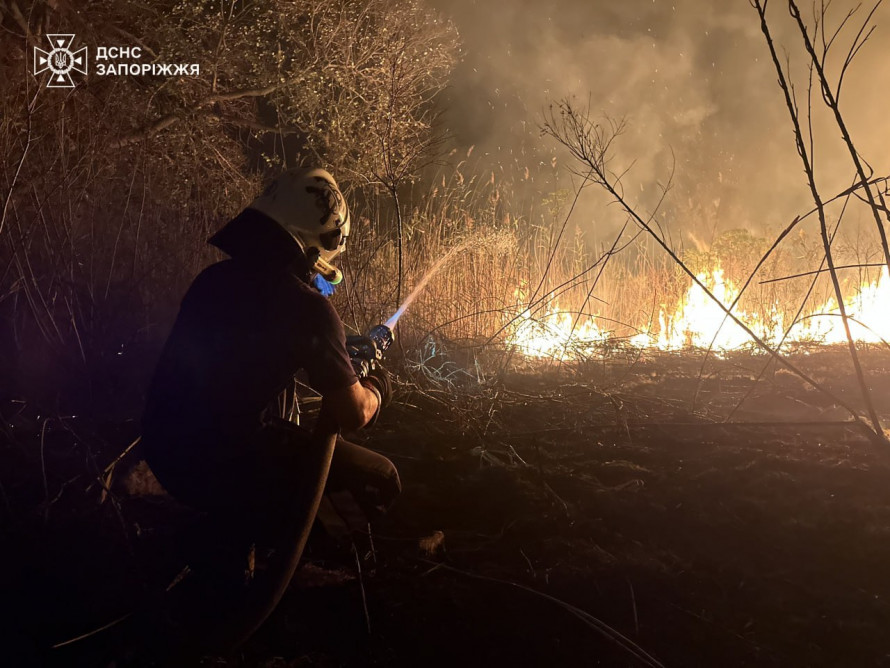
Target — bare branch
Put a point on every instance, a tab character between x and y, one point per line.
171	119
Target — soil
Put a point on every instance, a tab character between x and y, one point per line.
602	514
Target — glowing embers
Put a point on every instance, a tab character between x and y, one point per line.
697	322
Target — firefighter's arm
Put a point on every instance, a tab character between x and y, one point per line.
353	406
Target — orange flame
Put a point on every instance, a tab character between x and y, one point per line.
697	322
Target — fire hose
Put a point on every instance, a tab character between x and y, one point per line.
366	353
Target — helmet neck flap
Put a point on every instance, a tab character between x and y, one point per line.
254	238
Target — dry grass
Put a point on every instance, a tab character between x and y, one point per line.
502	263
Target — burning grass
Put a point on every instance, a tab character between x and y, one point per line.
513	286
696	322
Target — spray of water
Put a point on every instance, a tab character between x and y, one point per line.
422	284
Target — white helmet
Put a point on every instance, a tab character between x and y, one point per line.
308	204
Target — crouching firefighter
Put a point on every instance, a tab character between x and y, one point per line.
246	326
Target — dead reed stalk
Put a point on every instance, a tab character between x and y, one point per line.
809	169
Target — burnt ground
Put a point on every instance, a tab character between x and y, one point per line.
544	512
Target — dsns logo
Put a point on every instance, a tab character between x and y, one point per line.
60	61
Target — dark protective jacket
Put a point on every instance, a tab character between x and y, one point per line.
245	327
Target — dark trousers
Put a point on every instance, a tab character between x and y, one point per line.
258	488
267	497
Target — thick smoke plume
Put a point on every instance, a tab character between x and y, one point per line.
696	84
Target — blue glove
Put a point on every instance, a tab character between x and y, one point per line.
324	287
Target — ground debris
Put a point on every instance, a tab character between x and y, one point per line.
704	542
430	546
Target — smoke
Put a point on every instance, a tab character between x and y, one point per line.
697	87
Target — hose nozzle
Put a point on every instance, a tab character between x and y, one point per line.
382	336
366	351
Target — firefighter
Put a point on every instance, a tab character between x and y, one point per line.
246	326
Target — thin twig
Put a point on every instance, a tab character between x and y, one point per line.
18	170
822	271
43	468
831	101
86	635
361	582
633	602
598	625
